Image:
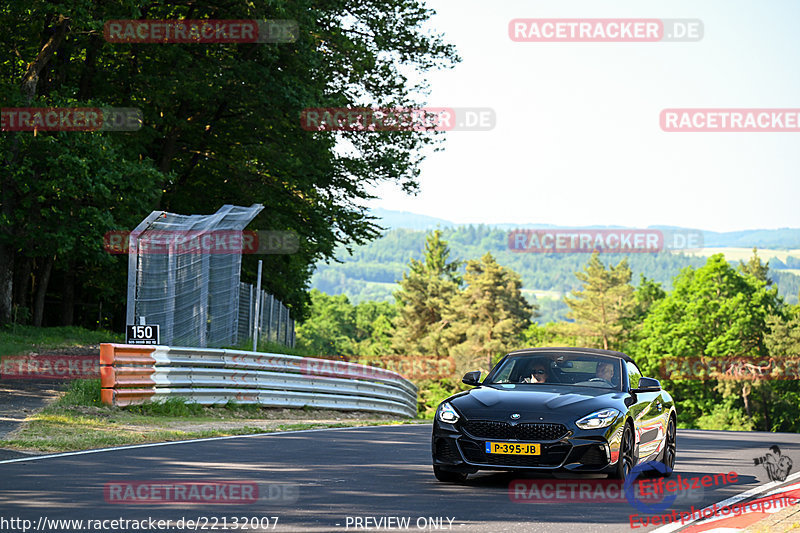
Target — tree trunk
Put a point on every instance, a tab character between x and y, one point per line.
22	281
745	394
43	279
68	297
6	283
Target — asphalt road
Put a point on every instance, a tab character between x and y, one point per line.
330	478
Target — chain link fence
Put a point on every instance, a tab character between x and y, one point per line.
184	275
274	323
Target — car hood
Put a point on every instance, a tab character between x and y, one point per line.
535	402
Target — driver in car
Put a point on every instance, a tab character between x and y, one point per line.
538	374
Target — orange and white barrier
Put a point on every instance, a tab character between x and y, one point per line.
138	374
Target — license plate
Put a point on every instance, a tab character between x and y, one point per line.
508	448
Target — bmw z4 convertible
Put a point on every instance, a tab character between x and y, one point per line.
576	410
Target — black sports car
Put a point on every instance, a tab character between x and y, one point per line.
555	409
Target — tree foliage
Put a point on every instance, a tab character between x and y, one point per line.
221	125
426	291
714	312
601	307
336	327
488	317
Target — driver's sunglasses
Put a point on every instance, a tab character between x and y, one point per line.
539	372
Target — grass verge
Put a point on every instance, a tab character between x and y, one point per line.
16	339
78	421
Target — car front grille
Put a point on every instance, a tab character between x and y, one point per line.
488	429
552	456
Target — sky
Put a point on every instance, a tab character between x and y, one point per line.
577	139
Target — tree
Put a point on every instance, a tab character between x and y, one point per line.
606	300
756	268
783	339
645	296
716	312
330	329
374	330
426	290
489	316
75	190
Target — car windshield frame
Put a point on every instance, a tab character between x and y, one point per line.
560	373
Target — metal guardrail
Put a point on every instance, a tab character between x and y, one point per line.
138	374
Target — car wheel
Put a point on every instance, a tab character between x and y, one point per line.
670	448
625	461
449	476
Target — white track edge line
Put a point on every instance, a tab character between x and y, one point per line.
207	439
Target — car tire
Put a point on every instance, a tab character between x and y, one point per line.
626	460
670	448
448	476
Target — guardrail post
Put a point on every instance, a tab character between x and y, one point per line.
258	307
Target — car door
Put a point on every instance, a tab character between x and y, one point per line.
648	415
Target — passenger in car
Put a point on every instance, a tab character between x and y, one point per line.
606	371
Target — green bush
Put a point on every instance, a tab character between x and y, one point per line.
432	393
82	392
727	418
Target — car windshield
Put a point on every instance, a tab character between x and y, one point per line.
574	369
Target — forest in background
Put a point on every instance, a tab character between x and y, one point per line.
373	269
473	313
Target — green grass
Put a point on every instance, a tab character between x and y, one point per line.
16	339
170	408
61	429
81	392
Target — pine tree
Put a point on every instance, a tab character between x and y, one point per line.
756	268
488	317
425	291
604	303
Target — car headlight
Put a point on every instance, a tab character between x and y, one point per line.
599	419
447	414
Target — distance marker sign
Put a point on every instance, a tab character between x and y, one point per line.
142	334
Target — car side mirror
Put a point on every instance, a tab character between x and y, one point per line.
648	385
472	378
